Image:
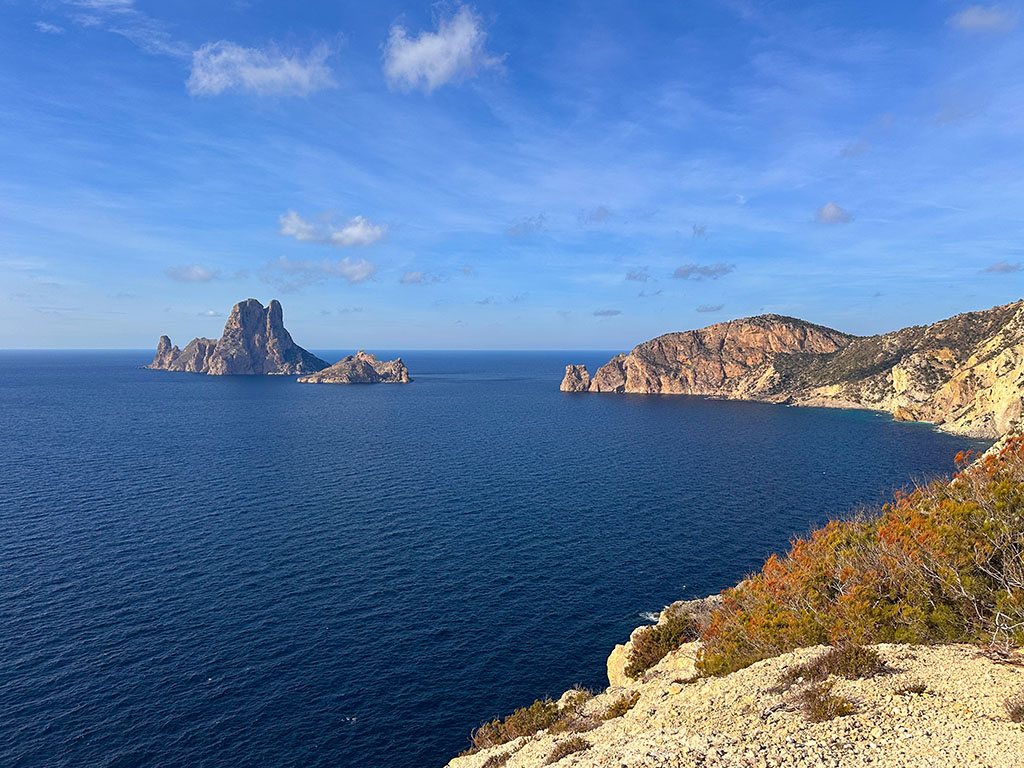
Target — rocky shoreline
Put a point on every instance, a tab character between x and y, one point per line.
964	374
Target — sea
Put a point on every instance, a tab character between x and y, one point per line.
219	572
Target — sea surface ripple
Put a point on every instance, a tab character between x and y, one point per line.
220	572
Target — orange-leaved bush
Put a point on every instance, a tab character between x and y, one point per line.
944	563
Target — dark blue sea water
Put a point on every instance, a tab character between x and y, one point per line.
223	572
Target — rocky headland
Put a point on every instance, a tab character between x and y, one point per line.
361	368
254	341
964	374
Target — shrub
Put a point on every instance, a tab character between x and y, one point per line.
525	721
654	643
567	747
849	661
912	687
1014	706
944	563
496	761
819	704
621	706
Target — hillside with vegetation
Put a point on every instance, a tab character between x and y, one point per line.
965	373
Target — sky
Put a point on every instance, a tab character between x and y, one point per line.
504	175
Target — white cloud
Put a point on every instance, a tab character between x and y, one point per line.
700	271
413	278
830	213
107	6
49	29
192	273
454	52
357	232
984	18
221	66
308	271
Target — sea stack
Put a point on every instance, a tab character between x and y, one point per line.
254	342
361	368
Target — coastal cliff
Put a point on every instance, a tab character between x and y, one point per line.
254	341
964	374
361	368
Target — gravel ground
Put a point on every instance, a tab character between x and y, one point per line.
743	719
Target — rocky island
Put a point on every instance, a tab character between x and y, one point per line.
255	342
964	374
361	368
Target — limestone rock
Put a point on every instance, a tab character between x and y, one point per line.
965	374
254	341
361	368
577	379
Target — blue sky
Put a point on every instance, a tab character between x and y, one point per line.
503	175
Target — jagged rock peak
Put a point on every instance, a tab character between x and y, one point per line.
254	341
361	368
965	374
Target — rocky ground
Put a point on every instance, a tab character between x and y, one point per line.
744	719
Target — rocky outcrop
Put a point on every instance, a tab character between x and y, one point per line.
965	374
254	341
361	368
618	659
577	379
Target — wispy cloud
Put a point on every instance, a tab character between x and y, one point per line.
357	232
192	273
455	52
291	275
222	66
701	271
710	307
607	312
417	277
854	149
121	17
527	225
830	213
595	216
1003	267
700	230
984	18
48	28
211	313
639	275
645	294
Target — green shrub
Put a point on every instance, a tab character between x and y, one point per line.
525	721
849	661
941	564
567	747
621	706
819	704
654	643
